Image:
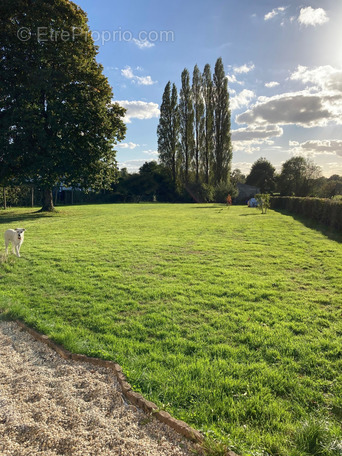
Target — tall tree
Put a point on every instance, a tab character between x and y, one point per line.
208	131
186	124
262	175
198	117
237	177
164	129
168	130
223	146
57	115
297	176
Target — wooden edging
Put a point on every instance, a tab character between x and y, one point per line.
135	398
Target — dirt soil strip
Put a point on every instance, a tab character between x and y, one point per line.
53	406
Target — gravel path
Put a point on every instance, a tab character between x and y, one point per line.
50	406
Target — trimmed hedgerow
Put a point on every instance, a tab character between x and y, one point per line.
326	211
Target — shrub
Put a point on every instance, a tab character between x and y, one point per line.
16	196
325	211
222	190
263	200
199	193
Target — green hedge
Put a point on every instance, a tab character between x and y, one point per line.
321	210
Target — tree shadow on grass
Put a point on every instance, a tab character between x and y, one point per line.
327	231
210	207
14	216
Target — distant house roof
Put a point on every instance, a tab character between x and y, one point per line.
246	192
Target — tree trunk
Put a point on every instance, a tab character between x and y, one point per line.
32	196
4	197
56	196
197	165
47	200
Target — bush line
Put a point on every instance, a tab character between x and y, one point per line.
325	211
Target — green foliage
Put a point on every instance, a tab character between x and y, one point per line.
12	196
222	154
262	175
194	138
328	187
237	177
186	117
209	127
58	122
315	438
297	177
198	106
152	183
199	193
212	447
222	190
242	345
325	211
168	130
264	202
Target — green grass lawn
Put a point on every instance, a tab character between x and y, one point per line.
226	318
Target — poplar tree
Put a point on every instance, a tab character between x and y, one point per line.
186	120
57	120
168	130
223	146
198	117
208	131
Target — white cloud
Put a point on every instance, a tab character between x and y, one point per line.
318	105
244	68
248	139
242	99
232	79
270	15
129	145
127	73
332	168
271	84
274	13
143	44
301	108
260	133
249	147
310	16
151	152
140	80
325	77
144	80
317	147
244	167
139	110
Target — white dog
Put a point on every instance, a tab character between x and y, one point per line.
16	237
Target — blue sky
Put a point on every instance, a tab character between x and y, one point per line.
283	61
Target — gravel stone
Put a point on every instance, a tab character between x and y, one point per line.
50	406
